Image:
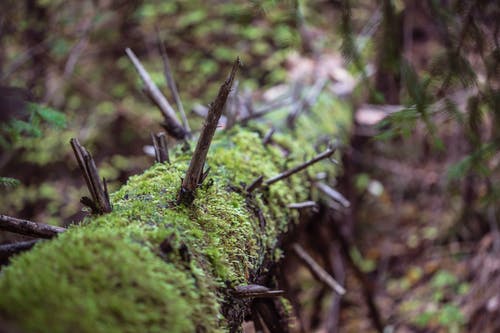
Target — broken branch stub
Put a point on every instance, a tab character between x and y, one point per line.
160	147
195	169
100	202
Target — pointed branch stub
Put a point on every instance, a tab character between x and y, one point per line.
195	169
29	228
100	203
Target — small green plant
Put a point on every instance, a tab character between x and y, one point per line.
12	131
15	130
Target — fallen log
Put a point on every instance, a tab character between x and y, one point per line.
156	263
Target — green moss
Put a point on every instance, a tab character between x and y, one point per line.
98	281
151	264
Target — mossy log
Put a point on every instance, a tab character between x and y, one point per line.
153	265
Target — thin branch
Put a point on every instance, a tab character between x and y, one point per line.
171	83
337	266
9	250
231	108
172	124
195	169
202	111
254	184
98	190
272	106
268	137
255	291
333	194
273	319
304	204
307	102
317	270
160	147
327	153
29	228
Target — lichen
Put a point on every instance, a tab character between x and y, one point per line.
151	264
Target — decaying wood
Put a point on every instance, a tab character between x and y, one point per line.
263	301
9	250
29	228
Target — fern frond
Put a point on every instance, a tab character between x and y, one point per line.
7	182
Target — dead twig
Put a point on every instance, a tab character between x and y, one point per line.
255	291
272	106
254	184
195	169
171	124
171	83
231	108
317	270
9	250
307	102
333	194
268	137
337	265
100	202
304	204
327	153
202	111
29	228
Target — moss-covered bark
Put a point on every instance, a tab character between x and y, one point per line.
154	266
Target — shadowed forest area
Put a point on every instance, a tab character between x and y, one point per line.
395	228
